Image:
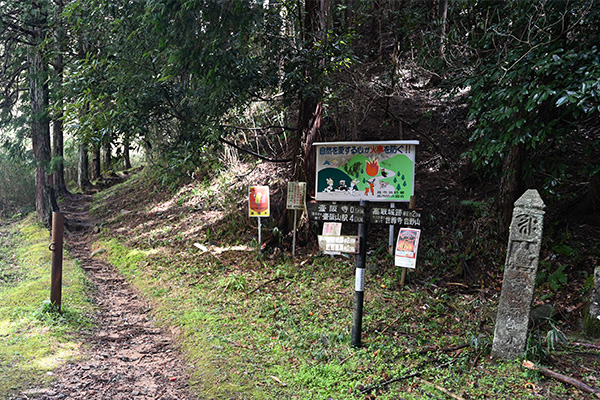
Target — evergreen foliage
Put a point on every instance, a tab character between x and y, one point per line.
533	75
177	76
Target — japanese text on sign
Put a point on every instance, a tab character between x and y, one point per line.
335	212
366	149
341	244
296	195
407	247
373	171
394	216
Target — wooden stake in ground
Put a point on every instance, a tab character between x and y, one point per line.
57	257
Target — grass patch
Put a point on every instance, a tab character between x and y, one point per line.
259	326
36	337
290	339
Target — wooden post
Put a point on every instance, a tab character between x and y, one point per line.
411	206
57	257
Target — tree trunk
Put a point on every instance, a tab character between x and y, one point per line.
58	155
40	127
511	186
311	106
126	154
83	166
107	157
96	171
376	27
57	123
349	15
589	203
443	23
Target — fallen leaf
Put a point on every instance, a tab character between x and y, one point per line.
276	379
530	385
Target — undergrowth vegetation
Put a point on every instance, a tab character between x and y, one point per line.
36	337
18	182
260	325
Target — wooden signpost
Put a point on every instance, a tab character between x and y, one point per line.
296	197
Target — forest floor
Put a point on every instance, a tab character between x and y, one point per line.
183	291
126	355
170	322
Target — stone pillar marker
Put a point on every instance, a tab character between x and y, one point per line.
518	284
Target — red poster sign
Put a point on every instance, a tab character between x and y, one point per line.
258	201
406	248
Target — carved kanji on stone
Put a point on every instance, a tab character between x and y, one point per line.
522	257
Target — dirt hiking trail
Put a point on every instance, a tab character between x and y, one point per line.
126	356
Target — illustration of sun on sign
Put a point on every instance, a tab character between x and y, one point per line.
374	171
259	201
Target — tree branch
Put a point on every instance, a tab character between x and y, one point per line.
255	154
285	128
563	378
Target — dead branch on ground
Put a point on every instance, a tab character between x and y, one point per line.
562	378
369	389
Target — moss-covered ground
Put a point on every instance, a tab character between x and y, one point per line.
261	325
36	338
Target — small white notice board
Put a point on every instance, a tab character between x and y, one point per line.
296	195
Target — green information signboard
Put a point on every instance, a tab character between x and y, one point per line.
373	171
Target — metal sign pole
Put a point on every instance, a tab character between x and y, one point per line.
391	237
259	238
359	284
294	237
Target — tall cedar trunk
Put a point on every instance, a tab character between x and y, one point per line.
57	123
349	16
107	157
40	127
126	154
589	203
311	106
443	11
58	154
96	171
511	186
376	27
58	174
83	166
